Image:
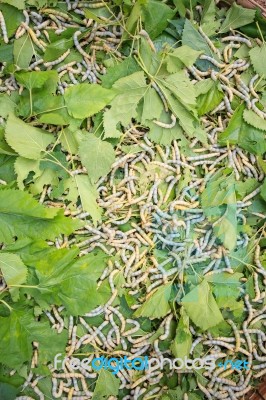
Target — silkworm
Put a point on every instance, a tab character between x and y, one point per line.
167	327
145	34
33	36
77	45
251	86
3	27
212	60
237	39
161	95
211	45
58	60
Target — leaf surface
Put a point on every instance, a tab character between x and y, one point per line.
201	306
26	140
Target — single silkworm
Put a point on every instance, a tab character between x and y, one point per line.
3	27
237	39
212	60
33	36
58	60
145	34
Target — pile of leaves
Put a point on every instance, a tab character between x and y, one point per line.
132	196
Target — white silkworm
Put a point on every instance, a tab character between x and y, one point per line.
3	27
237	39
33	36
208	40
58	60
78	46
251	86
212	60
167	327
161	95
237	335
145	34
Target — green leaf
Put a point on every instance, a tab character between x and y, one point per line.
165	136
218	201
80	282
227	297
64	279
253	119
193	39
97	156
211	99
84	100
201	306
183	339
246	187
26	140
88	195
244	135
182	88
19	4
19	330
7	105
13	269
6	53
16	331
50	342
258	58
22	216
185	117
13	16
56	49
106	385
4	148
209	24
23	51
37	79
180	57
131	90
263	190
237	17
157	305
7	391
155	15
152	105
121	70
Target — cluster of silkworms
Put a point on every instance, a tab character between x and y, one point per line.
80	62
228	71
149	185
